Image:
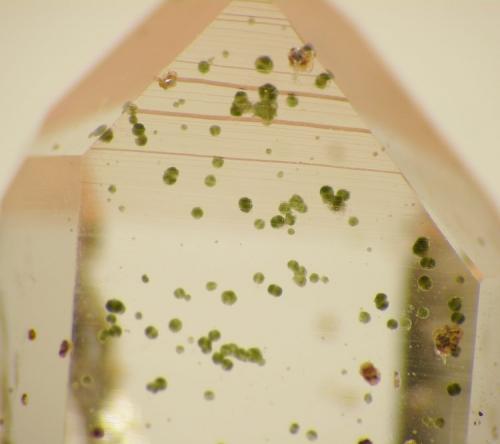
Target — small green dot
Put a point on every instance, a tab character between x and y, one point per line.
204	66
209	395
245	204
424	283
211	285
284	208
175	325
138	129
457	317
454	389
427	262
312	435
115	331
439	422
368	398
277	221
364	317
455	304
264	64
259	224
151	332
210	180
322	80
423	313
138	315
170	175
225	53
184	127
197	213
133	119
381	301
179	349
353	221
214	335
293	265
392	324
314	277
111	318
205	344
217	162
292	101
266	110
325	279
258	278
229	297
227	364
157	385
141	140
280	174
274	290
300	280
269	151
460	279
291	231
294	428
215	130
421	246
107	135
268	93
112	189
115	306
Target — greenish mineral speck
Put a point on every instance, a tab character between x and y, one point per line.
258	278
229	297
157	385
314	278
277	221
381	301
204	66
264	64
141	140
197	213
274	290
107	135
312	435
175	325
112	188
421	246
180	293
138	129
214	335
209	395
457	317
423	313
170	175
292	100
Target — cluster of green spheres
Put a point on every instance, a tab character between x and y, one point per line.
205	342
241	104
157	385
455	305
286	209
170	175
421	246
336	201
323	79
231	350
381	301
180	293
275	290
264	64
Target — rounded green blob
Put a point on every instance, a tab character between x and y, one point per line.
145	278
214	335
290	219
175	325
217	162
454	389
269	151
284	208
138	315
427	262
229	297
293	265
353	221
381	301
180	293
312	435
275	290
300	280
184	127
141	140
291	231
225	53
277	221
297	203
294	428
421	246
264	64
368	398
227	364
322	80
292	101
179	349
343	194
364	317
235	110
459	279
217	358
325	279
111	318
205	344
439	422
392	324
455	304
209	395
266	110
157	385
151	332
115	306
115	331
259	224
210	180
197	213
211	285
258	277
457	317
326	192
406	323
314	278
424	283
423	313
107	135
255	355
138	129
204	66
245	204
215	130
170	175
133	119
268	93
112	189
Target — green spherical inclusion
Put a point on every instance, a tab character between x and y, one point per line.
175	325
259	224
170	175
245	204
217	162
423	313
353	221
203	66
427	262
141	140
364	317
381	301
424	283
264	64
294	428
292	101
457	317
115	306
210	180
455	304
322	80
197	213
275	290
211	285
277	221
392	324
138	129
229	297
454	389
215	130
421	246
314	277
151	332
258	278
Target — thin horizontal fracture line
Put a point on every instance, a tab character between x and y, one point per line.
257	23
247	159
255	88
247	16
349	129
